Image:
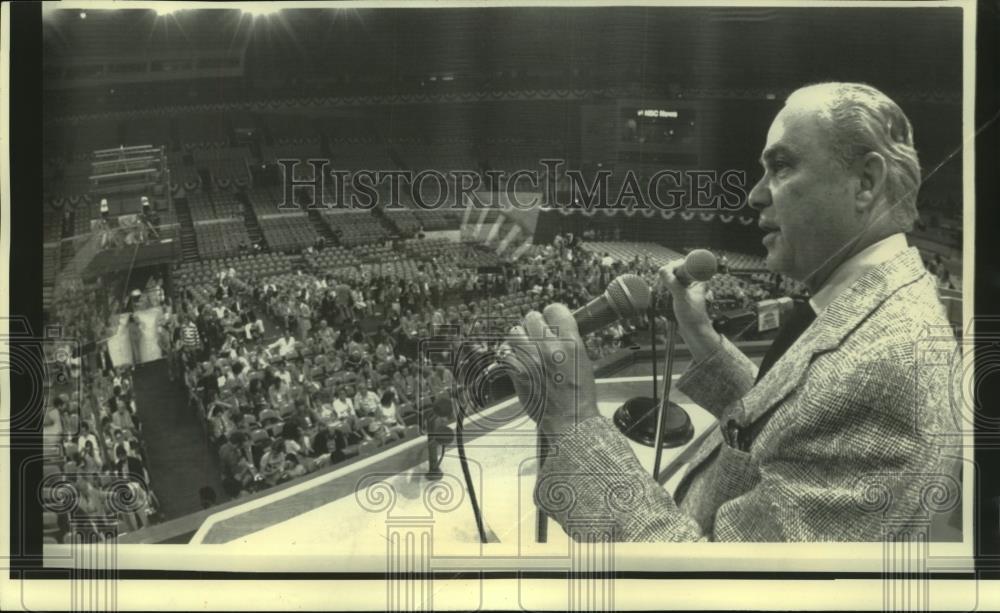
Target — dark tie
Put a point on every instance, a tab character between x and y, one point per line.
801	316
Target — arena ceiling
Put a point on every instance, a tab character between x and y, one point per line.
910	47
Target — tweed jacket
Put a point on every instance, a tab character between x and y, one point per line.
849	427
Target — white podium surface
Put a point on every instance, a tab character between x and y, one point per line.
503	469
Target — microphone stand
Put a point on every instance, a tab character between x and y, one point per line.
661	424
542	520
652	340
460	445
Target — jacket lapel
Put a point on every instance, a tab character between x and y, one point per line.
827	332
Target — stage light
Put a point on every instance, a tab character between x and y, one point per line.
83	14
260	10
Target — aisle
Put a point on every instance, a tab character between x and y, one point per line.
180	462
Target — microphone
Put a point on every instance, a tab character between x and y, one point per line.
699	265
627	296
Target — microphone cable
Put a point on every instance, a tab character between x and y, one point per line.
460	445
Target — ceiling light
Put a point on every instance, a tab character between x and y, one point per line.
259	10
163	11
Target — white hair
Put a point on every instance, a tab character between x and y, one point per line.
862	120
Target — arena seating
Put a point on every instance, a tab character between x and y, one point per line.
405	221
66	461
221	237
252	266
626	251
332	258
201	207
227	165
262	202
226	206
433	221
741	261
75	179
52	225
287	231
80	394
426	249
50	263
184	174
355	227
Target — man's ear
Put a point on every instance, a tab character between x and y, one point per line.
872	173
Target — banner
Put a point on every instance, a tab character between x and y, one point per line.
124	351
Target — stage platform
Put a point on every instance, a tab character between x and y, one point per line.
153	253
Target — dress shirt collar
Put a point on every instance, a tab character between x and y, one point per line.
855	267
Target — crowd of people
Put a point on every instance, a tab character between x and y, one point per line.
95	444
338	364
93	434
297	371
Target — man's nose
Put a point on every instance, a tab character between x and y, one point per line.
760	196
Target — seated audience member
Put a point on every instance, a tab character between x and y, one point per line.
86	436
221	423
280	397
285	345
234	457
346	415
366	402
272	463
293	468
324	440
442	379
90	462
53	427
357	363
121	417
253	326
128	467
91	506
391	417
119	440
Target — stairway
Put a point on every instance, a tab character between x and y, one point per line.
387	223
322	228
189	243
65	253
250	221
65	245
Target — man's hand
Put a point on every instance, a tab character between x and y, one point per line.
690	308
553	376
691	312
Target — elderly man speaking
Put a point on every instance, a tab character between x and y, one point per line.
841	405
